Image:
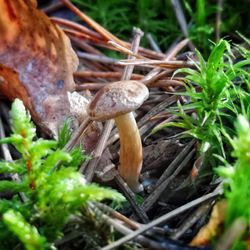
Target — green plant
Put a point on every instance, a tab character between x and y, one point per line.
237	176
207	88
201	29
214	100
50	185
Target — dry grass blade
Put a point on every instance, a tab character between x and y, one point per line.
165	64
104	74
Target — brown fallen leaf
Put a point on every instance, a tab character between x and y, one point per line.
213	227
36	62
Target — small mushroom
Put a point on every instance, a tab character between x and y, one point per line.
116	101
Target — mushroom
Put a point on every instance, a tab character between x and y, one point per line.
116	101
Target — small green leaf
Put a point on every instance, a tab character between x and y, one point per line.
12	167
12	186
64	134
26	233
21	121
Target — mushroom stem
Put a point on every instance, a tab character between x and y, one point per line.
130	150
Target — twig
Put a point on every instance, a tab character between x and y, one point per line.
159	84
101	74
160	63
119	216
164	218
89	86
137	35
97	58
80	35
126	76
85	46
123	49
167	83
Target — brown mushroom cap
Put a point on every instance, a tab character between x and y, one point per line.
116	99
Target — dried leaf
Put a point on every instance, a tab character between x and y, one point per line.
36	62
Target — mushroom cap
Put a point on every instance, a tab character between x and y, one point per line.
116	99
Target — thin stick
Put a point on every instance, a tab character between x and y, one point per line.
93	24
124	50
96	58
97	86
81	35
85	46
102	74
161	63
164	218
89	86
114	213
76	26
